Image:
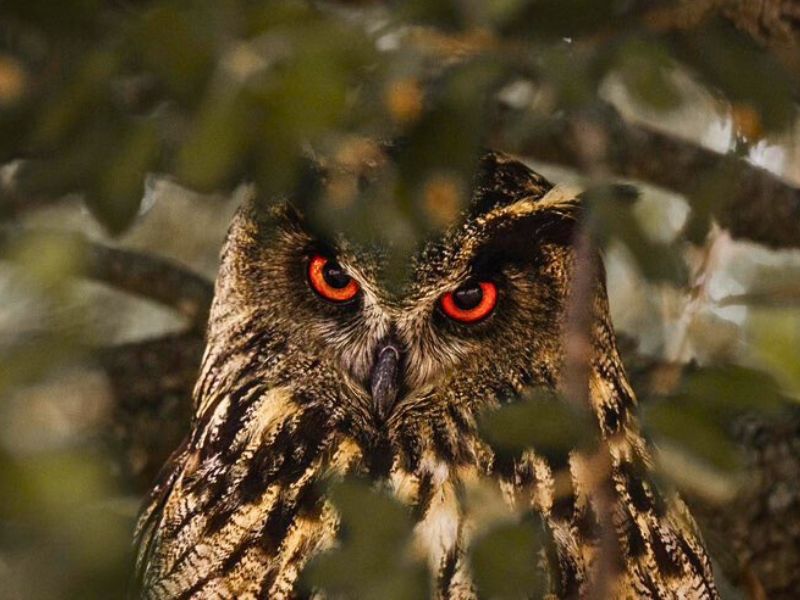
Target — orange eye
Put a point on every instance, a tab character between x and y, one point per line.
330	281
470	303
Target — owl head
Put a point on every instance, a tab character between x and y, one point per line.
479	318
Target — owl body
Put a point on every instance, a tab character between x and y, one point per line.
312	372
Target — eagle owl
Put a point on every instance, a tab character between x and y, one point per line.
312	368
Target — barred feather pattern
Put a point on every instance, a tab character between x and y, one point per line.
281	405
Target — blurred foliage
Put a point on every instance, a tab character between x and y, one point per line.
698	414
612	217
505	561
96	95
539	419
775	339
374	557
55	517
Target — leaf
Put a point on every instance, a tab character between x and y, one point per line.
731	62
177	46
440	13
772	286
373	560
556	19
646	68
505	561
541	421
731	390
774	340
213	151
445	143
76	106
697	417
611	216
693	430
63	19
695	475
712	190
120	189
573	74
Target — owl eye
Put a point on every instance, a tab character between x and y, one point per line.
471	302
330	281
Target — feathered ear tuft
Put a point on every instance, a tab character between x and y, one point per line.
513	231
502	180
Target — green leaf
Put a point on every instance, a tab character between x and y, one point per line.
611	216
118	194
556	19
445	14
505	561
693	430
373	560
214	150
541	421
61	19
697	416
76	105
646	68
773	286
732	389
447	139
728	60
571	73
177	46
712	190
774	340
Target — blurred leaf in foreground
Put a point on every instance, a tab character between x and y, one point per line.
612	216
694	429
774	337
505	561
542	421
721	55
693	424
373	560
58	527
646	68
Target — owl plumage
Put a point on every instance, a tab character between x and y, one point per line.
295	389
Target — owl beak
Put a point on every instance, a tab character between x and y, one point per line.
384	379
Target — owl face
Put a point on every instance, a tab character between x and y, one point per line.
480	313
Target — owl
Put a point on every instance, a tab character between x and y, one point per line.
314	370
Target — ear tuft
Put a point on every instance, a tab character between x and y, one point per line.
502	180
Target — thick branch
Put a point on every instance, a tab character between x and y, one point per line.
155	278
151	382
764	208
143	372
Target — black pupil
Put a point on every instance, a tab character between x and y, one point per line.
468	296
335	276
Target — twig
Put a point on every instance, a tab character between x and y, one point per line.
591	143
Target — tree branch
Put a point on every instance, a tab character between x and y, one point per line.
151	382
143	372
155	278
763	209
